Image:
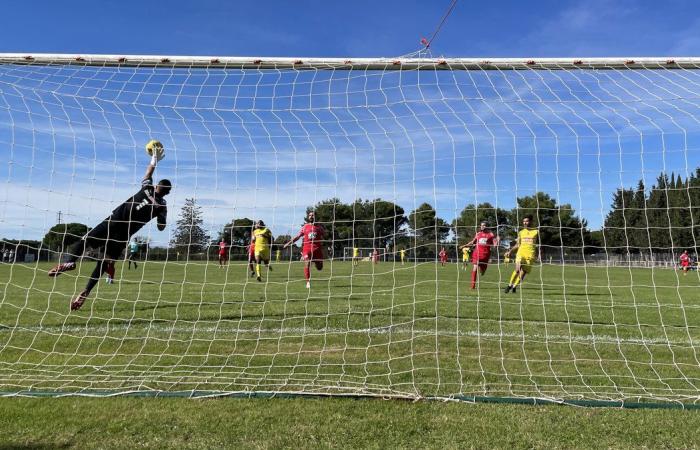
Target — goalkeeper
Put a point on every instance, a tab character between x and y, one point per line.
112	234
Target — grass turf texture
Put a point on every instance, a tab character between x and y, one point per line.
332	423
414	330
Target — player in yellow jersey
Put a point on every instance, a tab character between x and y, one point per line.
262	238
355	256
278	255
466	253
526	254
402	252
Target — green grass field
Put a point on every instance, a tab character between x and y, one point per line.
301	423
388	330
410	331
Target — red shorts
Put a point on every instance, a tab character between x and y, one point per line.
482	259
222	255
312	255
685	264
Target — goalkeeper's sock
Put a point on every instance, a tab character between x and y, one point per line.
257	270
517	282
513	277
307	273
473	279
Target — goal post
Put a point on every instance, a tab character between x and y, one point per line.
576	182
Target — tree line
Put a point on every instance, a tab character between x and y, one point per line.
663	217
640	220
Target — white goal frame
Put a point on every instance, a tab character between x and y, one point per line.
387	64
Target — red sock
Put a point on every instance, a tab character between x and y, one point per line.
307	273
473	279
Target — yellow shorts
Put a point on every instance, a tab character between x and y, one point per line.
263	254
525	262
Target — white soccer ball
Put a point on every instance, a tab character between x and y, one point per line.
155	148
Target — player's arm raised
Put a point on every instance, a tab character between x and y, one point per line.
469	244
156	151
294	239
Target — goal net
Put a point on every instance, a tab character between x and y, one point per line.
408	156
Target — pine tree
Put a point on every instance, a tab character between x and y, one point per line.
190	237
614	235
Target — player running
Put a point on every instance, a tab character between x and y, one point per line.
113	233
526	247
483	241
443	257
262	238
251	258
223	253
685	262
402	253
312	247
133	251
355	256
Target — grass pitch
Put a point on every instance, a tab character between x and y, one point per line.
302	423
388	330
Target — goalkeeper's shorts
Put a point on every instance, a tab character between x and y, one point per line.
525	262
263	254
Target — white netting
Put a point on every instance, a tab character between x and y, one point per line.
406	158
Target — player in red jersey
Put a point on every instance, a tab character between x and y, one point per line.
251	258
312	247
685	262
443	256
223	253
483	241
375	256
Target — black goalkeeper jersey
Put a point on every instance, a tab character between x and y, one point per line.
137	211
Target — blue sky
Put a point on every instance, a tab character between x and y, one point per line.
268	145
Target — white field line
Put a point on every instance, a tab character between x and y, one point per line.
94	331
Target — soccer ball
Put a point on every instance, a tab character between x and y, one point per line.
155	148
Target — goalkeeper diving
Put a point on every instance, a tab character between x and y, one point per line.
112	235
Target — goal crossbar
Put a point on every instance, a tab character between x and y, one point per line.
304	63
